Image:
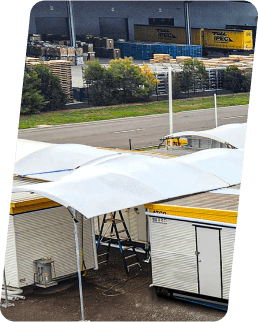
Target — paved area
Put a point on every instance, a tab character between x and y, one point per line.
143	131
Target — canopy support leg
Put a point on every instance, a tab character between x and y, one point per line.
6	303
75	221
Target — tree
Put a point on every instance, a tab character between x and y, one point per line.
233	79
178	84
50	88
194	75
246	82
32	100
99	81
131	83
121	82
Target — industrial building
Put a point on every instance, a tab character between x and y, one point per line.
117	19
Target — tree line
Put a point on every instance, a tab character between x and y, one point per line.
120	82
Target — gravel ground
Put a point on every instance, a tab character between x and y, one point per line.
131	300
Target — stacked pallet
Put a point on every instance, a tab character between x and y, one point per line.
166	58
241	62
160	58
30	60
60	68
146	50
244	63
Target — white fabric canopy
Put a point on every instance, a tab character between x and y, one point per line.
26	147
52	162
227	191
233	134
224	163
126	180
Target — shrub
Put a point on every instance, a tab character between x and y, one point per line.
50	88
121	82
194	75
32	100
233	79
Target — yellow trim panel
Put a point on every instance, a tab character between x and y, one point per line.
226	216
31	205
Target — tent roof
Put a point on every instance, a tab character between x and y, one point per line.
53	161
123	180
26	147
233	134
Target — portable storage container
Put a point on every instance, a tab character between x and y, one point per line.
192	244
40	228
161	34
208	38
228	39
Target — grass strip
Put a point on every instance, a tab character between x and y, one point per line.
130	110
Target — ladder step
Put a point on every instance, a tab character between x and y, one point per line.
130	256
134	264
127	247
121	231
102	254
102	262
117	221
105	241
124	239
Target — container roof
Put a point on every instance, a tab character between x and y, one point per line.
229	134
122	180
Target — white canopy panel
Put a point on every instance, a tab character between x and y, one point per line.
233	134
227	191
126	180
223	163
53	162
26	147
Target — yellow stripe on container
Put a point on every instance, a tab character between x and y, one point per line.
226	216
31	205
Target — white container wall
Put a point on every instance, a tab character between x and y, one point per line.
187	256
47	233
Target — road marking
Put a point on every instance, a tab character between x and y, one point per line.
125	131
232	117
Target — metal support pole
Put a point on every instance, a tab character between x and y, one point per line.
187	23
170	100
6	303
75	221
71	23
130	144
215	107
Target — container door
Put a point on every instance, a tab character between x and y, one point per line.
209	261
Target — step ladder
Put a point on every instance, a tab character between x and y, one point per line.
118	227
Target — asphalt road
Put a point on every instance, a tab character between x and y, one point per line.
144	131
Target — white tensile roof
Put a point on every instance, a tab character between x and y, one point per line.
232	134
122	180
26	147
53	161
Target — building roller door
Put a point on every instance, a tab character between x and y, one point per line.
52	25
115	28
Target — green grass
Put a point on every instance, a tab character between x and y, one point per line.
113	112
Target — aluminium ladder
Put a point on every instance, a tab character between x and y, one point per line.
115	232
